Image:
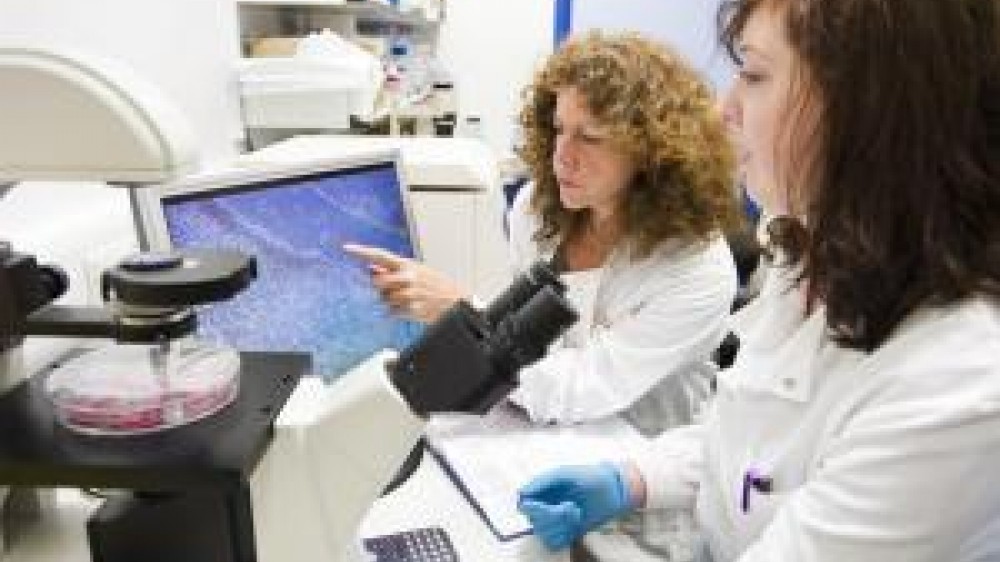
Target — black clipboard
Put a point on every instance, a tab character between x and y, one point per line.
442	461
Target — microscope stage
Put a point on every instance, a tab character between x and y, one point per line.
219	451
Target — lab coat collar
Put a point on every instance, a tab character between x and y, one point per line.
788	374
796	378
782	347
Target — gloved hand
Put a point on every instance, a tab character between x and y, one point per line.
567	502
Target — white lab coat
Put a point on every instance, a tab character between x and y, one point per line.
882	457
646	334
641	350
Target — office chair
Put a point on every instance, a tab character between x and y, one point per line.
746	253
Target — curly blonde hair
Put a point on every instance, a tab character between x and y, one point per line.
661	114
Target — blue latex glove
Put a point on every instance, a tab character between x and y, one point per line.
566	503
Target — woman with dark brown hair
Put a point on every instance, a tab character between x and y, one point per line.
861	420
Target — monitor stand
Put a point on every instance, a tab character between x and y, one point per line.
188	487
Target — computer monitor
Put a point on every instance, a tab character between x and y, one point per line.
309	295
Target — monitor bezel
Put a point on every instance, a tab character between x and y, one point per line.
148	204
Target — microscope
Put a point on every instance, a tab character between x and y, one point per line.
288	469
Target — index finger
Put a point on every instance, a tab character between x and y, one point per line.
376	256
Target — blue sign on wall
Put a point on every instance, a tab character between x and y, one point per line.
687	26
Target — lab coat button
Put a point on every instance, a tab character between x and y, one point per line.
788	383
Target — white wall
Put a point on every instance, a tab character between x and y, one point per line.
492	48
187	48
686	25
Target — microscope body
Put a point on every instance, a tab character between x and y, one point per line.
294	488
281	475
335	448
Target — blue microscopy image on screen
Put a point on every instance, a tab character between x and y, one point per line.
309	295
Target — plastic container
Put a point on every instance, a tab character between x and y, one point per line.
411	63
445	101
393	90
327	80
137	389
472	127
400	64
295	93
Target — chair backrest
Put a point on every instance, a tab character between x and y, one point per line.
746	253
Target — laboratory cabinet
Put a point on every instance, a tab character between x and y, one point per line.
333	81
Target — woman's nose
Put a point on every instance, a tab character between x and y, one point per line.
564	152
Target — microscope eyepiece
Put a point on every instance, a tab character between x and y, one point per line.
527	317
520	291
524	336
468	360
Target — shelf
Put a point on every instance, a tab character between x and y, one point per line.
327	3
362	10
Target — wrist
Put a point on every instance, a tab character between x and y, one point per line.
634	484
624	498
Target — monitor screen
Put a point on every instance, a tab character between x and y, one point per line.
309	295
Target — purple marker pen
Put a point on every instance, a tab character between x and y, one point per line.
754	479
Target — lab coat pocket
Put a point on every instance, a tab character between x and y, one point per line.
760	511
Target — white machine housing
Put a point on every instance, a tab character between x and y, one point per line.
69	116
334	450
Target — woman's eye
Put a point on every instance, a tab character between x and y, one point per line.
752	77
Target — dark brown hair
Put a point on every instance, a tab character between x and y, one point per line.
905	209
660	113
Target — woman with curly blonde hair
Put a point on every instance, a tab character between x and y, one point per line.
655	113
633	184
